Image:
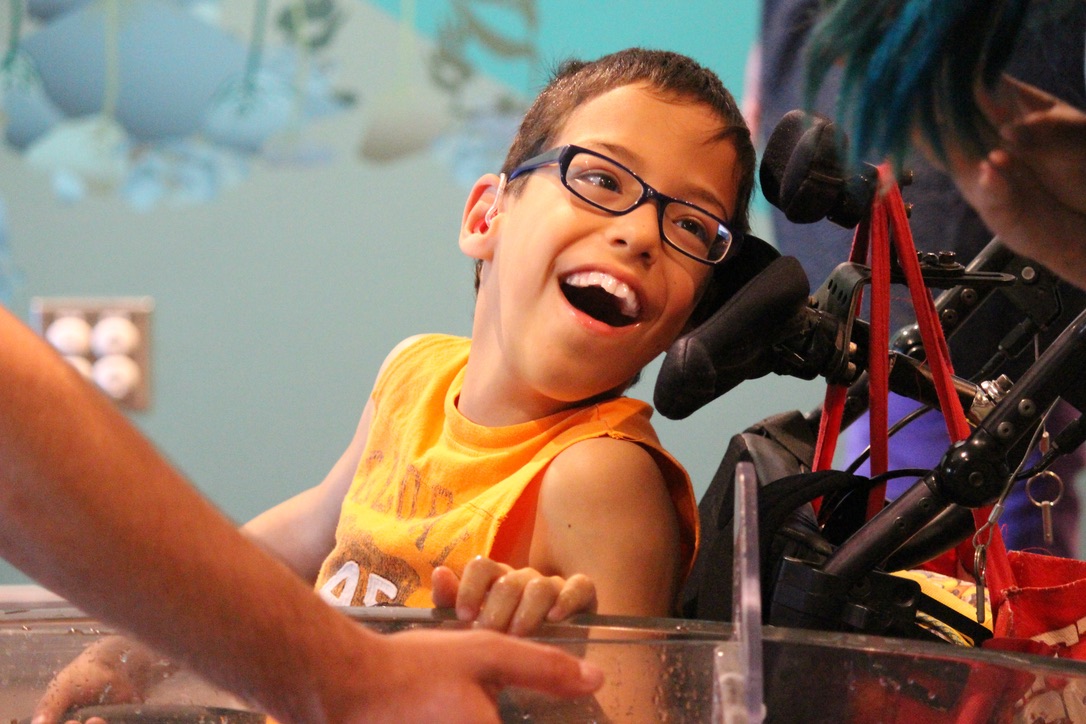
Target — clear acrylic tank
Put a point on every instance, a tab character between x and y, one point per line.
660	670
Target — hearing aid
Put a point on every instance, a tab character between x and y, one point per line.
488	217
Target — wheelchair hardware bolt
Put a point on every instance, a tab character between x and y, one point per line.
861	589
949	318
976	479
1028	274
1004	430
969	296
947	258
1027	408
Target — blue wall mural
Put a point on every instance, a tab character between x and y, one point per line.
285	179
153	101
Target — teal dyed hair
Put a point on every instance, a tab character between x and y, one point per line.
916	64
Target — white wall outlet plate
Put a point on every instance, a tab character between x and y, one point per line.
108	339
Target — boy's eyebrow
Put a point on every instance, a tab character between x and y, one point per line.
707	200
696	195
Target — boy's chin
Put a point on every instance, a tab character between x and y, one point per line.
617	391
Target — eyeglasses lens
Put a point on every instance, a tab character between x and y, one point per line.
605	184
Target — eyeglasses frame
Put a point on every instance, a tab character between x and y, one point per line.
563	156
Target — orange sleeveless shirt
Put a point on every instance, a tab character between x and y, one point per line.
433	488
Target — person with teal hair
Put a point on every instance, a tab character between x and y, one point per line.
898	76
934	72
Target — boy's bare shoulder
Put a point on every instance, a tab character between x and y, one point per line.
604	510
606	469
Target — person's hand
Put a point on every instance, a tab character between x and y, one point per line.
114	670
391	678
497	596
1031	191
454	676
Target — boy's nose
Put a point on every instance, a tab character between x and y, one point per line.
638	231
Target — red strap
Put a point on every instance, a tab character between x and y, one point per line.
829	427
931	332
878	367
889	224
998	570
833	406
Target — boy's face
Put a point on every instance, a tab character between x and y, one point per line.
545	250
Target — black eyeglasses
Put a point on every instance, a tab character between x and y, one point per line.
610	186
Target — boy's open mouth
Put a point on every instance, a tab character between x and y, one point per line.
602	297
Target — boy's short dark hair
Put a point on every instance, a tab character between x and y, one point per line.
670	74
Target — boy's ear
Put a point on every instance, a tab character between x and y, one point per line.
476	239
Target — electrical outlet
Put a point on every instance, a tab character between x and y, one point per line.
108	339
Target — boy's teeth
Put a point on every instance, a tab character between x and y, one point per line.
629	305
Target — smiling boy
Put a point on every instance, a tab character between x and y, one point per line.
506	474
512	459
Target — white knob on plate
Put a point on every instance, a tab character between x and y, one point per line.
69	335
116	374
114	335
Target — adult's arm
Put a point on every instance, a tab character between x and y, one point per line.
166	566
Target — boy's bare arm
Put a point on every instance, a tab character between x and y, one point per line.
604	511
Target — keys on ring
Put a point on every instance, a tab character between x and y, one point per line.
1046	504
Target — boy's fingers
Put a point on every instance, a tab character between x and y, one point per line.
1054	147
444	585
577	596
1017	207
504	598
475	586
47	711
56	700
537	600
1024	97
1056	129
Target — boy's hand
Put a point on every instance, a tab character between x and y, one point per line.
497	596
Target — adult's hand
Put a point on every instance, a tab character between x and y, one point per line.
456	676
114	670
